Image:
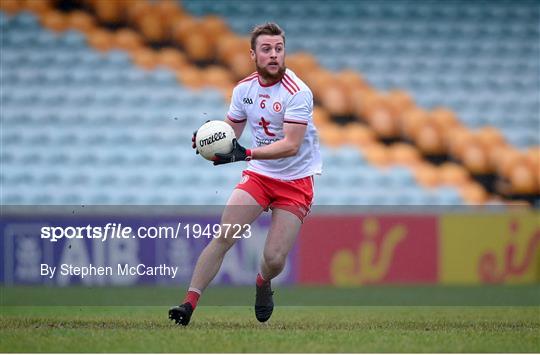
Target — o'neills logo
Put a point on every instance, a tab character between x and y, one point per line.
214	138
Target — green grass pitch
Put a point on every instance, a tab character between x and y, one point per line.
292	328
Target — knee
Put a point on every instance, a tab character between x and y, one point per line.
275	260
223	242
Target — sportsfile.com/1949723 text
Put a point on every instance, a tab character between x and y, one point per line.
119	231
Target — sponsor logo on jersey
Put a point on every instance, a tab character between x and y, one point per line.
264	124
265	141
266	96
213	138
247	101
277	106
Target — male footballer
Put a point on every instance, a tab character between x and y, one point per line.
278	108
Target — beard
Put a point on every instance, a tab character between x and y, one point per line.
266	75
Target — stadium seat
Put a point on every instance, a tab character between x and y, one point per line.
107	132
432	44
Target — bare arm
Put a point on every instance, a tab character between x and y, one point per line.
286	147
238	127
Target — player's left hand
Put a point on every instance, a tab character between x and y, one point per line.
238	153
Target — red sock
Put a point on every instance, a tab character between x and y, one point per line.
260	281
192	297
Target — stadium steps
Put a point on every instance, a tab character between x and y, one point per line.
54	98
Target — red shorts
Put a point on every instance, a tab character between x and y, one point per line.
295	196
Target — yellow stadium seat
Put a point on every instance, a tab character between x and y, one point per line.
475	158
10	6
128	40
473	193
411	120
429	139
109	11
217	76
321	117
191	77
377	154
405	154
55	20
101	40
38	7
331	135
145	58
151	27
358	135
81	21
172	58
522	179
334	99
453	174
427	175
199	47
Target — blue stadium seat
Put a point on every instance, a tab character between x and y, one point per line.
439	41
105	131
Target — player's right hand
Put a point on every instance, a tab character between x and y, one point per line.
194	139
193	144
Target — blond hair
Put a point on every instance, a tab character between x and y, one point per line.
268	28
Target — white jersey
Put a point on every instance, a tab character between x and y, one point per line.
267	108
